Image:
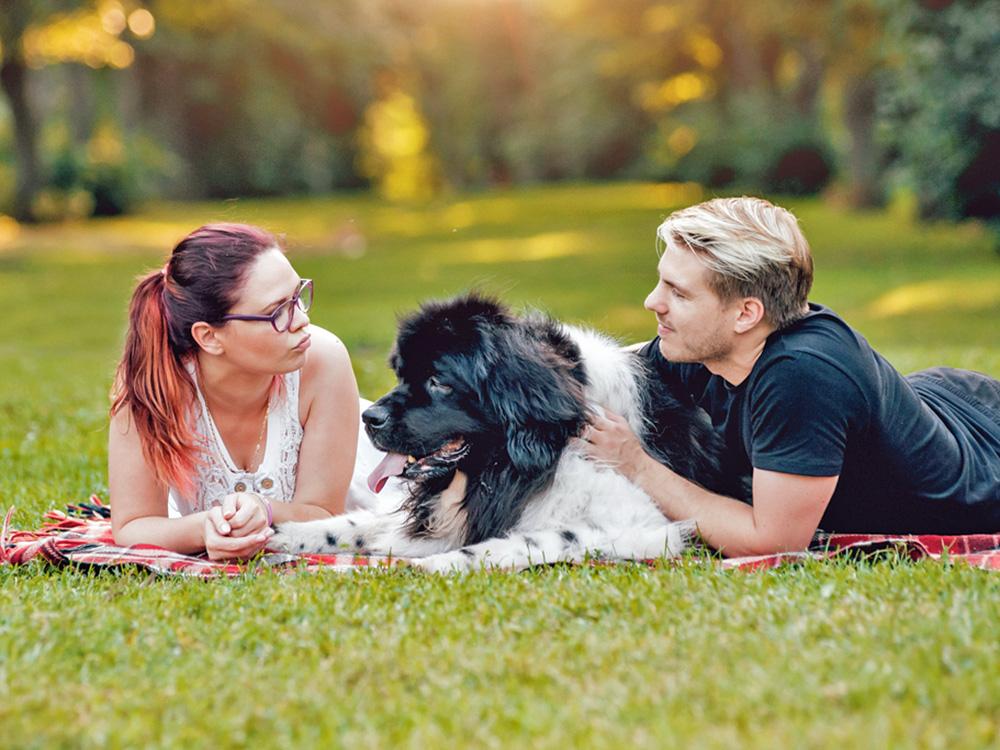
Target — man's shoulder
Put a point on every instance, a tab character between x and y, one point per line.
820	327
820	335
819	358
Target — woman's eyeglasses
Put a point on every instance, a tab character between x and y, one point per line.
281	319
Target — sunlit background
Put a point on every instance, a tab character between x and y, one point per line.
862	101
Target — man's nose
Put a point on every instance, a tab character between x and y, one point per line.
655	303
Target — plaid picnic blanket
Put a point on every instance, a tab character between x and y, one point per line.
82	537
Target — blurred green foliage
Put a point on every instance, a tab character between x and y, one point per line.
223	98
942	104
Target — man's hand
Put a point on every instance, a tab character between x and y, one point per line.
610	440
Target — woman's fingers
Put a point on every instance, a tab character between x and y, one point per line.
218	522
247	507
251	516
230	504
229	547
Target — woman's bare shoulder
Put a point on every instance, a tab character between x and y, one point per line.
328	363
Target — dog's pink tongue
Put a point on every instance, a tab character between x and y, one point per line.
390	466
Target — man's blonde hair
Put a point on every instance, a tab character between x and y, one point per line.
753	249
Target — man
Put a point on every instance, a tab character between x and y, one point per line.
835	438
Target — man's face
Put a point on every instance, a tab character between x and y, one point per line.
694	325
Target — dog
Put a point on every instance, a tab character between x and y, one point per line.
479	428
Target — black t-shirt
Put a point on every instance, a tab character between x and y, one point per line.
919	454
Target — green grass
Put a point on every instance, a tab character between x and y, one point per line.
861	655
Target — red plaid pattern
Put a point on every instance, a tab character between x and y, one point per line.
88	542
66	540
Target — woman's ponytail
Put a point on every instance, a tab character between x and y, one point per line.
200	282
153	383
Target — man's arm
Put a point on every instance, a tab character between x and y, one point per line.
784	516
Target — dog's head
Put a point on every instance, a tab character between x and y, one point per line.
478	386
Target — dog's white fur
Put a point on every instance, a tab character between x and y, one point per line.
589	509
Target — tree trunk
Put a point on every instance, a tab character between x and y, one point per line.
807	89
863	158
14	81
81	104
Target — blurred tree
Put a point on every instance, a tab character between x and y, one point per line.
289	96
942	104
16	17
35	34
394	154
257	96
511	89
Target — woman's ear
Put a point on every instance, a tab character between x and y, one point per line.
206	336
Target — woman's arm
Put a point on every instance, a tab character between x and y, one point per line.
330	415
139	505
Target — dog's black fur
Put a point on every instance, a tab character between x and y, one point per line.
513	389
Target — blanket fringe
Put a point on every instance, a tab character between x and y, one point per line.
3	534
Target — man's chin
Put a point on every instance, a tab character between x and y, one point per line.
672	355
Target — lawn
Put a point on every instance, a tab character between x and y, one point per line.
877	654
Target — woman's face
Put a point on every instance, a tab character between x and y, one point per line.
254	345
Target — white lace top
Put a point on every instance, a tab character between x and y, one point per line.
218	475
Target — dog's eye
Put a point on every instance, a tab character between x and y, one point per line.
435	384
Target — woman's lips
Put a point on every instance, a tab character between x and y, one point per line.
303	344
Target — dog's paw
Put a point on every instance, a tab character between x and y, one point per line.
448	562
288	539
309	537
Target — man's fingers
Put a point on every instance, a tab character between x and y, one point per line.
602	423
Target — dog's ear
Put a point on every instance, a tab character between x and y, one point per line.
533	394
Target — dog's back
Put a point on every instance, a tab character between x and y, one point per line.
675	432
613	376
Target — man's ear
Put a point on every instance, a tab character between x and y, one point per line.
749	314
206	336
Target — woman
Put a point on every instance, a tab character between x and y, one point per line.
230	411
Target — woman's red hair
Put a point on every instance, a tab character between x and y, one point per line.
200	282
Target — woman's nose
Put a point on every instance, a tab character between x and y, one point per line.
300	319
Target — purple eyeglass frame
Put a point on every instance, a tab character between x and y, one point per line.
273	317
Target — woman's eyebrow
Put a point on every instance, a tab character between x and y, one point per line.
286	298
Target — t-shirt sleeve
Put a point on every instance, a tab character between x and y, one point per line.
802	410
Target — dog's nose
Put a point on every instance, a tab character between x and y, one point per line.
375	417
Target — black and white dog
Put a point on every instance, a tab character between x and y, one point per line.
478	428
